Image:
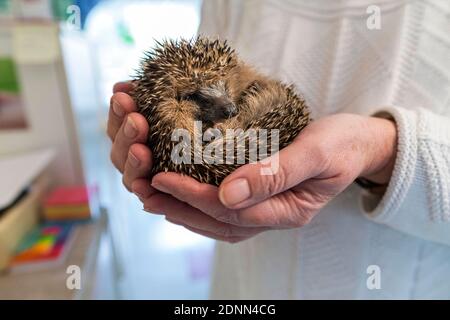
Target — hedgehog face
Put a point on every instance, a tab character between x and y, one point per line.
213	103
187	80
194	80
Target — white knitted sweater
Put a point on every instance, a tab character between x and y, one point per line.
326	49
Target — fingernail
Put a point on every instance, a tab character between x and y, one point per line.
150	210
235	192
172	221
133	160
118	110
160	187
138	194
130	128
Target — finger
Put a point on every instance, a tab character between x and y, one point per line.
142	189
285	210
194	218
183	214
198	195
290	209
134	129
137	165
254	183
125	86
121	105
214	236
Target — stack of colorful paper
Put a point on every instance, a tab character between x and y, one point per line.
45	247
68	203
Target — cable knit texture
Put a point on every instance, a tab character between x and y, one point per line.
326	50
421	177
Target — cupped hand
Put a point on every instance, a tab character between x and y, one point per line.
326	157
323	160
128	132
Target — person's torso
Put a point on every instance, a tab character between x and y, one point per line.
334	54
337	57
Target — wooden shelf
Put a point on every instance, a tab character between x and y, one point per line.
16	222
51	284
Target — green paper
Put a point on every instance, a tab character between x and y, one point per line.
8	76
4	5
59	9
124	34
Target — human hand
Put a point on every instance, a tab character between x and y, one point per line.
325	158
128	132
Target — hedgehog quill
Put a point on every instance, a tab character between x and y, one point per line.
188	82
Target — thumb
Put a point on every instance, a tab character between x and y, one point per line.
253	183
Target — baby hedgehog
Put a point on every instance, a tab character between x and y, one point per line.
186	81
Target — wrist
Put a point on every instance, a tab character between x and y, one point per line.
382	150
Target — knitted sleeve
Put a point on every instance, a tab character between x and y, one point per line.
417	200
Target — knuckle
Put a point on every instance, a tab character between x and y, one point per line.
149	206
301	220
232	217
234	240
114	160
272	184
226	231
111	100
297	224
126	183
196	188
152	205
220	215
321	154
110	132
297	213
250	218
260	220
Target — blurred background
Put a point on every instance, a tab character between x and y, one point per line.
68	228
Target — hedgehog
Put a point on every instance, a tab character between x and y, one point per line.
201	86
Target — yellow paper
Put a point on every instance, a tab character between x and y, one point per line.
36	43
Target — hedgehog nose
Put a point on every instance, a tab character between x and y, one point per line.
230	110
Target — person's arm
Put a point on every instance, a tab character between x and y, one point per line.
417	198
325	158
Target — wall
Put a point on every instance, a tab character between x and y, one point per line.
49	114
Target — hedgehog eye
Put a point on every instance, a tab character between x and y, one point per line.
196	97
185	96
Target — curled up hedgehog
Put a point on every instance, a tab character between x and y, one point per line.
196	93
